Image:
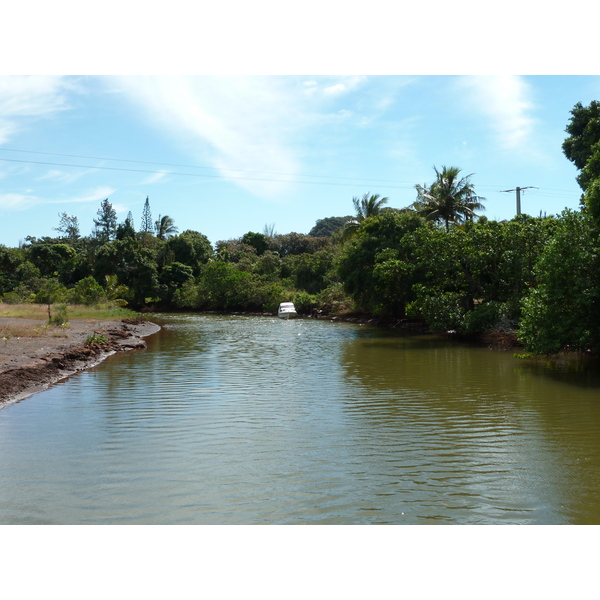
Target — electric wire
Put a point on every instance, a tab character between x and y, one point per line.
543	192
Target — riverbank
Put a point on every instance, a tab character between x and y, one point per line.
33	356
495	340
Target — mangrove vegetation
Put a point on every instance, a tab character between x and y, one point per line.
439	262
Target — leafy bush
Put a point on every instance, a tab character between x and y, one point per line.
60	316
87	291
304	302
563	311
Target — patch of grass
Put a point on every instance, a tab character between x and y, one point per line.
95	339
24	311
14	330
106	312
524	355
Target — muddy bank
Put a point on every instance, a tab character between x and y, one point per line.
29	364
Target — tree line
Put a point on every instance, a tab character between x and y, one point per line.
436	261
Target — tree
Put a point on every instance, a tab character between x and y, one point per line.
269	230
68	227
190	248
368	206
165	227
365	207
126	229
583	142
377	268
563	311
328	226
147	224
257	240
449	198
106	223
582	148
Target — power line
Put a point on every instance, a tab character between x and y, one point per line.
519	190
346	183
143	162
203	175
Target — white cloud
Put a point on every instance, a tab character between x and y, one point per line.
155	178
506	101
32	96
334	90
240	125
254	130
63	176
96	195
14	202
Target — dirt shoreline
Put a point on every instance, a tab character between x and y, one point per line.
31	363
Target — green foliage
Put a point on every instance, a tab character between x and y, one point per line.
134	266
190	248
147	224
50	258
310	272
304	302
449	199
469	276
68	227
106	223
173	277
86	291
165	227
582	145
257	240
60	316
125	230
10	260
563	311
376	267
328	226
95	339
297	243
333	300
592	199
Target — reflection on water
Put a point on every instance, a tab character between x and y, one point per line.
257	420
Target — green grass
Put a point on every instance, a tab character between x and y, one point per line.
40	311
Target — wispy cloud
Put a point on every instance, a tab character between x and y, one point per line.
155	178
16	201
26	97
506	100
237	124
64	177
96	195
253	129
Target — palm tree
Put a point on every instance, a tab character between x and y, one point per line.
165	227
367	206
449	198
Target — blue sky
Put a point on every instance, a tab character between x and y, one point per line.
229	154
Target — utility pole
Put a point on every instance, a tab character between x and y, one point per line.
519	190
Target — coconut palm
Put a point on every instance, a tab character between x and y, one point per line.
450	198
367	206
165	227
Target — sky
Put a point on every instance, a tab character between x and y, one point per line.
229	154
243	116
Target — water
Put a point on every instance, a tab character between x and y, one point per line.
253	420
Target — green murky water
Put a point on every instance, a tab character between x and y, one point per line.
253	420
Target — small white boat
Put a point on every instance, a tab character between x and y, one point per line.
287	310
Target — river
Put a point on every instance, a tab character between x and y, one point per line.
254	420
